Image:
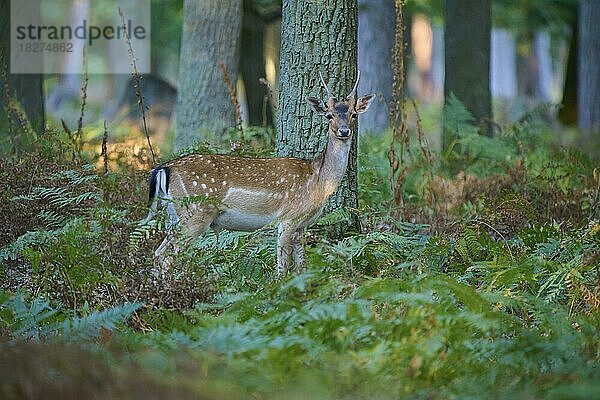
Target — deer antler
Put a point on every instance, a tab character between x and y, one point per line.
353	92
325	86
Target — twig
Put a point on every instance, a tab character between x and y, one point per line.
596	197
70	135
270	92
84	86
426	154
265	107
137	83
397	119
105	148
270	96
499	234
234	100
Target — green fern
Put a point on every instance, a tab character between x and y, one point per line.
143	232
89	327
339	215
39	320
26	241
467	244
52	219
485	155
28	321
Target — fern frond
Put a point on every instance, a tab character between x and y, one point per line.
25	241
143	232
77	178
335	217
52	218
29	321
89	327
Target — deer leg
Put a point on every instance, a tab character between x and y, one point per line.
193	225
298	249
165	254
285	246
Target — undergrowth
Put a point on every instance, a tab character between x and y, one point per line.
487	288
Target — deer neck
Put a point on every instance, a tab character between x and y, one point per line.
330	165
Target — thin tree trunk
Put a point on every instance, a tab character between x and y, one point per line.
568	107
252	66
437	62
376	27
467	58
543	63
211	32
27	88
317	36
503	64
589	66
272	53
68	87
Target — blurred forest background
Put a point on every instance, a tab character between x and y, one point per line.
461	254
503	60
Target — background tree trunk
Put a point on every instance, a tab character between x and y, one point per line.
589	66
211	32
316	36
27	88
376	27
467	58
543	66
252	66
568	107
504	64
68	87
437	62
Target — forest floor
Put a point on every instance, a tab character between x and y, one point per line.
481	280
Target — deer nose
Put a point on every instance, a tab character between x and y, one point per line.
343	132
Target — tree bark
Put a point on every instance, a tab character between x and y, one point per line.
26	88
211	32
317	36
376	27
252	66
588	99
467	58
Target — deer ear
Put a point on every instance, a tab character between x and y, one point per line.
317	105
363	103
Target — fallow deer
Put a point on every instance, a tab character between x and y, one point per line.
245	194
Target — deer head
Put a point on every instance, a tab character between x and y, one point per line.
341	115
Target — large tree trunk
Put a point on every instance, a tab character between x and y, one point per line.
376	27
26	88
211	32
588	99
317	36
467	55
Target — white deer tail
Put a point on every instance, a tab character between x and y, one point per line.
159	194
